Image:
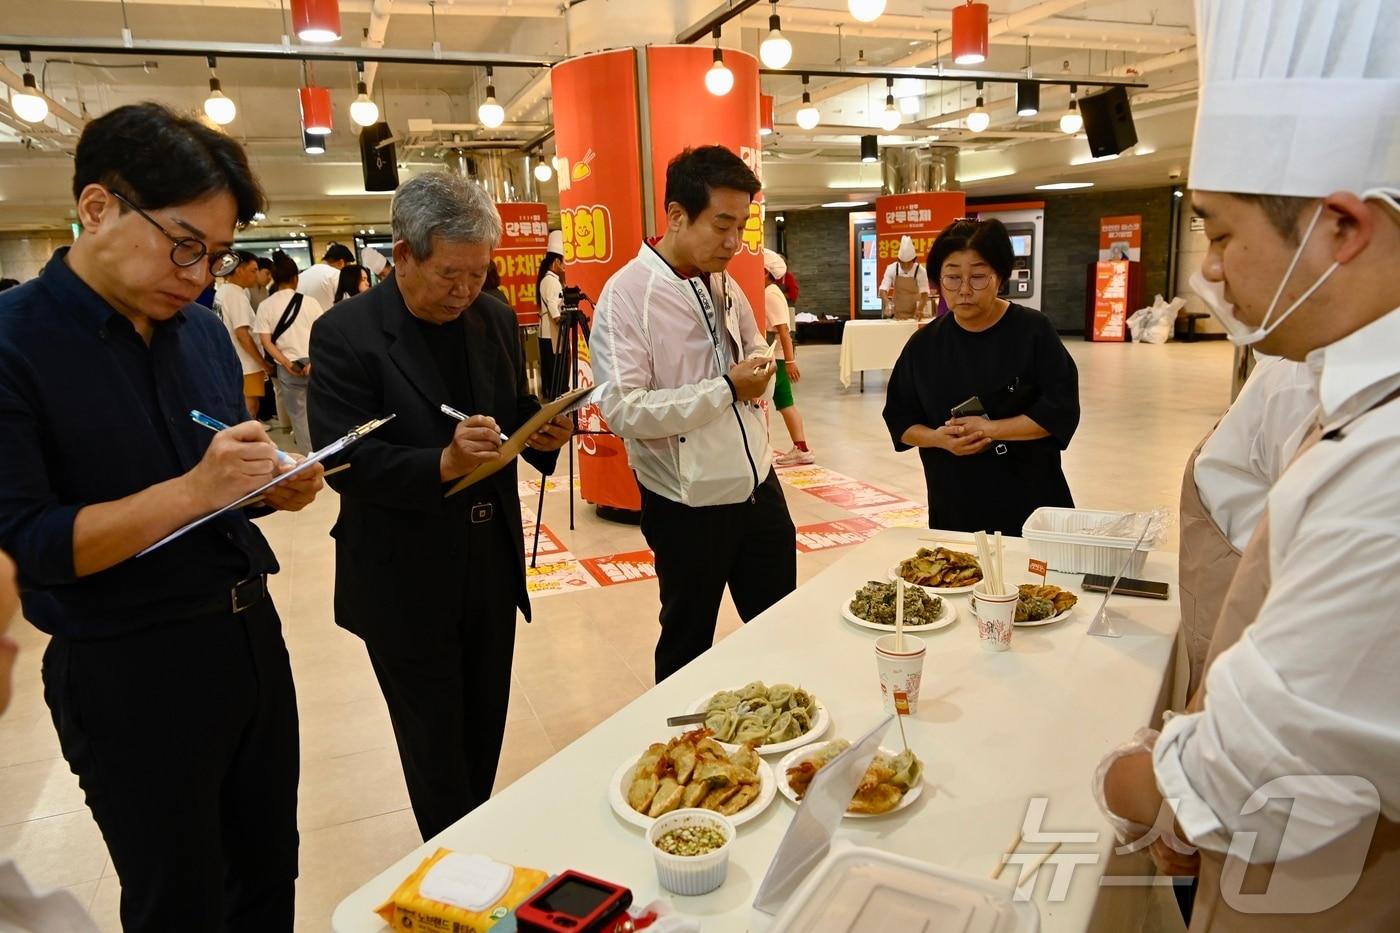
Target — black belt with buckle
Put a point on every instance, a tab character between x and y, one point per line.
482	512
1000	450
249	593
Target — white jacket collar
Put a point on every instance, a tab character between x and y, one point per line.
1360	369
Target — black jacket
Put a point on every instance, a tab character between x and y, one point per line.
400	546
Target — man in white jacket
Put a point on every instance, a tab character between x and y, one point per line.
679	347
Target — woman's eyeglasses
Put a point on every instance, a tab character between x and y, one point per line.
978	281
186	251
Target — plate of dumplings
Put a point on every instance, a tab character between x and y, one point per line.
893	781
692	771
773	719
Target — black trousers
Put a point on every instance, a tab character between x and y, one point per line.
549	378
448	692
184	739
751	547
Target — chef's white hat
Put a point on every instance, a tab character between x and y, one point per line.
1298	97
774	263
373	260
555	243
906	250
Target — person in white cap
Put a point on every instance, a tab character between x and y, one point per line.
775	311
905	284
549	288
373	260
1284	776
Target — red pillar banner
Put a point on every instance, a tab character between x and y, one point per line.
524	234
921	217
1110	301
596	132
683	114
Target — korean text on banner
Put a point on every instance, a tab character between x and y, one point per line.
524	235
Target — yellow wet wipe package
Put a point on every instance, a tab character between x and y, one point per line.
455	893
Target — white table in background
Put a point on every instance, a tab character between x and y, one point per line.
992	729
872	345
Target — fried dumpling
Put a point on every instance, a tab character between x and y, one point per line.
695	792
684	756
746	758
880	798
716	798
744	796
708	747
668	797
642	790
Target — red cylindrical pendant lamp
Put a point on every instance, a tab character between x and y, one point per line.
765	114
970	33
316	20
316	110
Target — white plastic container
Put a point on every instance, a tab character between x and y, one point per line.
691	874
863	890
1056	536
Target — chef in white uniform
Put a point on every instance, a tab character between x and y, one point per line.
905	284
1286	779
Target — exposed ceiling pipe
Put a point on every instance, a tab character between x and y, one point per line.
532	9
375	32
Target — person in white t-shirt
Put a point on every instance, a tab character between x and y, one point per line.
779	322
291	348
320	280
236	311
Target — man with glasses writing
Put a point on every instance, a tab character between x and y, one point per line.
988	393
166	675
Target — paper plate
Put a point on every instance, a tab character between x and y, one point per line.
819	727
802	754
934	590
950	615
622	779
1055	618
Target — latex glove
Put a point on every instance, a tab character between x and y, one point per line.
1142	741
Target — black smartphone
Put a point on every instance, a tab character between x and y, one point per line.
1148	589
970	408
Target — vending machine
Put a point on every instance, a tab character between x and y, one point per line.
1027	227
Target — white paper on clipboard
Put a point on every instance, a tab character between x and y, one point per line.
330	450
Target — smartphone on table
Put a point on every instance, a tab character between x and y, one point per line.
1147	589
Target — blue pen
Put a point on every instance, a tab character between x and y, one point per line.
214	424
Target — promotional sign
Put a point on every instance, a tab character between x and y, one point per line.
683	115
524	233
1110	301
921	217
596	133
1120	238
621	568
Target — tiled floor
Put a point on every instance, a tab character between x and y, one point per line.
1144	408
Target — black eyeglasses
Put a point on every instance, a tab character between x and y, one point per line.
186	251
978	281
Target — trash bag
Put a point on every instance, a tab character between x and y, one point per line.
1154	323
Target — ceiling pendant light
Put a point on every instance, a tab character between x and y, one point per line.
979	119
313	144
217	107
490	113
765	114
1027	91
890	117
316	110
543	172
808	116
316	20
719	80
970	23
28	105
867	11
776	50
1072	122
869	149
363	110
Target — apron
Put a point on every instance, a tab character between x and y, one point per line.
1206	566
1373	905
906	296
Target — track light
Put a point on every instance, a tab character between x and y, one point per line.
776	50
970	31
869	149
889	117
217	107
316	110
27	104
719	80
979	119
312	143
490	113
808	116
363	110
316	20
1072	122
1027	98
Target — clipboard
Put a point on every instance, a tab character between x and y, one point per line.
329	450
563	405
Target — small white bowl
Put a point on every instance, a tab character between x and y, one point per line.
691	874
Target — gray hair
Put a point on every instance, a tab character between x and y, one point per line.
438	204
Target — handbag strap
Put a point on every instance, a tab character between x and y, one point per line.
289	316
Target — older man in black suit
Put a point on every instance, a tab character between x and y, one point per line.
432	584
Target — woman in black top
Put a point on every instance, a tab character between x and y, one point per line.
984	472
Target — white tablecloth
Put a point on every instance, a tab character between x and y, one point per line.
872	345
993	730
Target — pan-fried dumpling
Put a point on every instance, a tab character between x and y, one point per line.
783	729
725	699
744	796
683	756
709	748
761	708
780	695
746	758
722	722
751	731
716	798
907	770
668	797
695	792
753	689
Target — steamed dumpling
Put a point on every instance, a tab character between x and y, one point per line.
751	731
723	723
752	690
801	699
783	729
802	718
725	699
907	770
758	707
780	695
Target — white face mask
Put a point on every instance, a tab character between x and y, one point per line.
1240	333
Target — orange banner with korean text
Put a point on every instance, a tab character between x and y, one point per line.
524	233
1110	301
596	132
682	114
921	217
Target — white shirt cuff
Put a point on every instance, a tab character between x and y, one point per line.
1197	820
